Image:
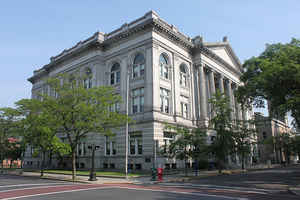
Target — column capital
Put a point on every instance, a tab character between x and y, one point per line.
196	65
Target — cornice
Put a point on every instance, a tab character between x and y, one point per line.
202	49
149	22
228	48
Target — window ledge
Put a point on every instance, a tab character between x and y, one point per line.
184	87
165	79
136	155
115	85
137	78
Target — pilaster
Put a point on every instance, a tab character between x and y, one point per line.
202	97
211	79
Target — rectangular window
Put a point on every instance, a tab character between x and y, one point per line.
183	80
87	83
112	78
166	72
110	146
136	143
168	138
138	100
115	107
118	76
142	70
184	110
107	147
81	149
114	150
135	71
184	105
164	100
132	145
138	70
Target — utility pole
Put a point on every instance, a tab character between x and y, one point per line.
126	134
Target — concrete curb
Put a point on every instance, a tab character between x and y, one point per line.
76	181
294	190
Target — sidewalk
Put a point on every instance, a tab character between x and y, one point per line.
117	180
202	177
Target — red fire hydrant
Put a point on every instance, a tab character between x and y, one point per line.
160	173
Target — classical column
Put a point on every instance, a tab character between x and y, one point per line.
211	78
238	109
230	96
202	95
212	82
221	83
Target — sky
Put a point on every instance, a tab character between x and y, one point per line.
32	31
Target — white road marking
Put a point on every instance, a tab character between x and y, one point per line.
20	185
41	187
189	193
49	193
241	189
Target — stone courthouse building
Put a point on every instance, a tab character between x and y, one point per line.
171	77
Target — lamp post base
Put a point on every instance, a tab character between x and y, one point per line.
93	176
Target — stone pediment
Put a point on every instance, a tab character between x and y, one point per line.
224	51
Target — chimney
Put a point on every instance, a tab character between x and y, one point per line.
225	39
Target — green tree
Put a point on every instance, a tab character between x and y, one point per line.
15	150
275	76
79	111
296	145
244	131
283	144
221	122
39	129
187	144
244	136
8	125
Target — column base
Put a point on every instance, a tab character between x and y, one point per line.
203	123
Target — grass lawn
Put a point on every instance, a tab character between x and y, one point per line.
99	173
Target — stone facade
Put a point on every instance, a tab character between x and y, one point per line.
171	78
268	127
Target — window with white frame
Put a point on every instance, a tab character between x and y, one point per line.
138	66
168	138
135	143
81	149
164	100
110	146
115	107
183	75
164	63
87	82
184	106
137	100
115	74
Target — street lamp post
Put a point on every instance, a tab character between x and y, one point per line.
93	147
126	134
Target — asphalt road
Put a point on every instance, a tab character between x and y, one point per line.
257	185
17	187
273	179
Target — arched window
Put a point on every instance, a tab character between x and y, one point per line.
164	70
138	66
88	82
115	74
183	75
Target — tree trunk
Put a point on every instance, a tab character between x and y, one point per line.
220	166
1	160
10	164
50	159
185	166
73	164
243	160
43	163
